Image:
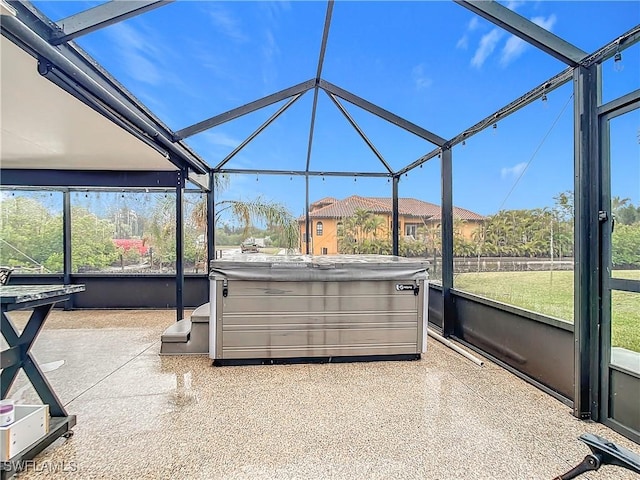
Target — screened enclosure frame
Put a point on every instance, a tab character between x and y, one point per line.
67	66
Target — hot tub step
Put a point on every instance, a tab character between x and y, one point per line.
201	314
178	332
186	337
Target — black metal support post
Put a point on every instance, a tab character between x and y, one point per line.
66	243
448	318
587	244
180	246
395	217
307	222
211	221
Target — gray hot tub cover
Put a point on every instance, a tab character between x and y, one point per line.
326	268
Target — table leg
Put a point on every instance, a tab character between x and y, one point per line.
24	342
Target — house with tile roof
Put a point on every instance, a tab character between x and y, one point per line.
327	214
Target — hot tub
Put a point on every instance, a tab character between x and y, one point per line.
332	308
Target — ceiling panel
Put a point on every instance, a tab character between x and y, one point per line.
45	127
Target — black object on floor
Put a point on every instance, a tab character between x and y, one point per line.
5	273
603	452
298	360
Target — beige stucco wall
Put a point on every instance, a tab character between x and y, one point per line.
329	237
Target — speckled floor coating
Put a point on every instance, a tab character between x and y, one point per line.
143	416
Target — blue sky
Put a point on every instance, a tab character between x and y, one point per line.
433	63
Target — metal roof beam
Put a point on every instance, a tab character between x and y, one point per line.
526	30
88	178
244	109
544	88
382	113
257	132
323	46
619	103
423	159
312	126
200	181
360	132
325	37
101	16
626	40
303	173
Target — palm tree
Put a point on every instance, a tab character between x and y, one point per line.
162	228
431	234
376	224
478	239
360	220
359	233
617	203
249	212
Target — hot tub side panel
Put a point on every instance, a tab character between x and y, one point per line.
275	319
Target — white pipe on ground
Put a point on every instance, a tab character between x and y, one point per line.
454	347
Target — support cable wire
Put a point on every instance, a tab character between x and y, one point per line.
544	139
25	255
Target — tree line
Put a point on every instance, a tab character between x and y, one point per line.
31	233
526	233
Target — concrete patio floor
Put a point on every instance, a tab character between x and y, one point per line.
141	415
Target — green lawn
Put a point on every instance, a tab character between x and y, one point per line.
551	293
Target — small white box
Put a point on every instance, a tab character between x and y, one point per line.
31	424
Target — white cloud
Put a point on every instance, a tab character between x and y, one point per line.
226	23
420	78
513	4
512	50
463	42
137	49
513	172
514	46
487	45
270	52
269	46
147	56
275	9
217	64
221	139
546	23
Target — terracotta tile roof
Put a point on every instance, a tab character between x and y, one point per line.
411	207
322	203
325	200
348	206
419	208
465	214
408	207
